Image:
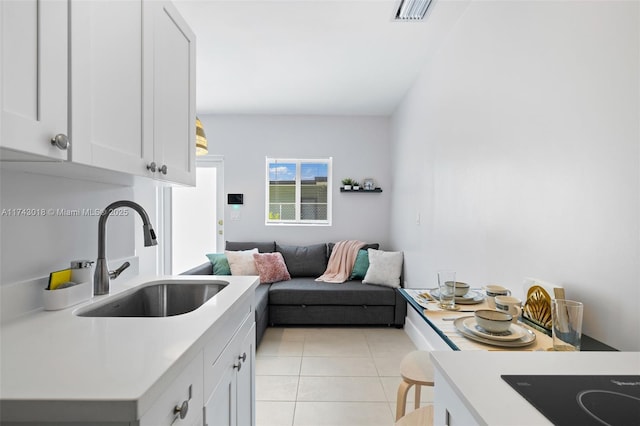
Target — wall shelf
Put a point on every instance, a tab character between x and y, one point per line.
361	190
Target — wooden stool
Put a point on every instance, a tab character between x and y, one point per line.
416	370
420	417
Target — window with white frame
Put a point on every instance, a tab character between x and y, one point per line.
298	191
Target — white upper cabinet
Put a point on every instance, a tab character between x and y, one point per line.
116	77
169	93
33	37
106	84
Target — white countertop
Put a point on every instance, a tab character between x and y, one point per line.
475	378
58	356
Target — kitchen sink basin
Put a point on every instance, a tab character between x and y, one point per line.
157	300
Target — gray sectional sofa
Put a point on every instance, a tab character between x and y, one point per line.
304	301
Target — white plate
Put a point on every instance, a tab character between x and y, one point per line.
528	338
515	331
473	297
422	301
421	297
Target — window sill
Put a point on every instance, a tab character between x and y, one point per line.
297	224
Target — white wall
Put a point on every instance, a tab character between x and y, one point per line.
519	146
359	147
33	246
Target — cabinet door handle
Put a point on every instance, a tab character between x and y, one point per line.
152	167
163	169
60	141
182	410
241	358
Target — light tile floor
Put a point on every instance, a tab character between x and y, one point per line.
330	376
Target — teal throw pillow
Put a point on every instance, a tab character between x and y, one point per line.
360	266
220	264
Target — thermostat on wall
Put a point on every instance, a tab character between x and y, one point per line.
235	198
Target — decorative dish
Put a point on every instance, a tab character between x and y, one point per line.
515	331
528	338
473	297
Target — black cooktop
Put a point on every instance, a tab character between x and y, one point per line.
582	400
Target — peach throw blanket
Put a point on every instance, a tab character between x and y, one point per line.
341	261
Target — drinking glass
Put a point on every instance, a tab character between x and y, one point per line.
566	317
447	292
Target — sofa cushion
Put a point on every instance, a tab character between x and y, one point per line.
271	267
304	261
307	291
385	268
220	263
242	262
361	265
263	247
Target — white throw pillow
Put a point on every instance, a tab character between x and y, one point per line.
385	268
241	262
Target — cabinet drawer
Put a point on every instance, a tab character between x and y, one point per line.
214	369
221	334
186	387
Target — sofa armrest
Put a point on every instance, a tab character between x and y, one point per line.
401	309
204	269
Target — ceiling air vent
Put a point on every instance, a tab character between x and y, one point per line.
412	10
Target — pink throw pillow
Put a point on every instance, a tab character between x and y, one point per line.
271	267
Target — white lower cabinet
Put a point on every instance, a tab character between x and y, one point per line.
181	403
245	379
230	381
221	381
449	410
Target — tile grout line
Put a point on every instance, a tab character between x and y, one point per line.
376	367
379	377
371	343
295	403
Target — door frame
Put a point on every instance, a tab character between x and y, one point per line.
216	161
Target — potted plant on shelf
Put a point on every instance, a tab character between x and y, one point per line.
347	183
355	185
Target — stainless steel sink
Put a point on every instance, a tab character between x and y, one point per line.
157	300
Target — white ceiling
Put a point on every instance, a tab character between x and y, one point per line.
336	57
